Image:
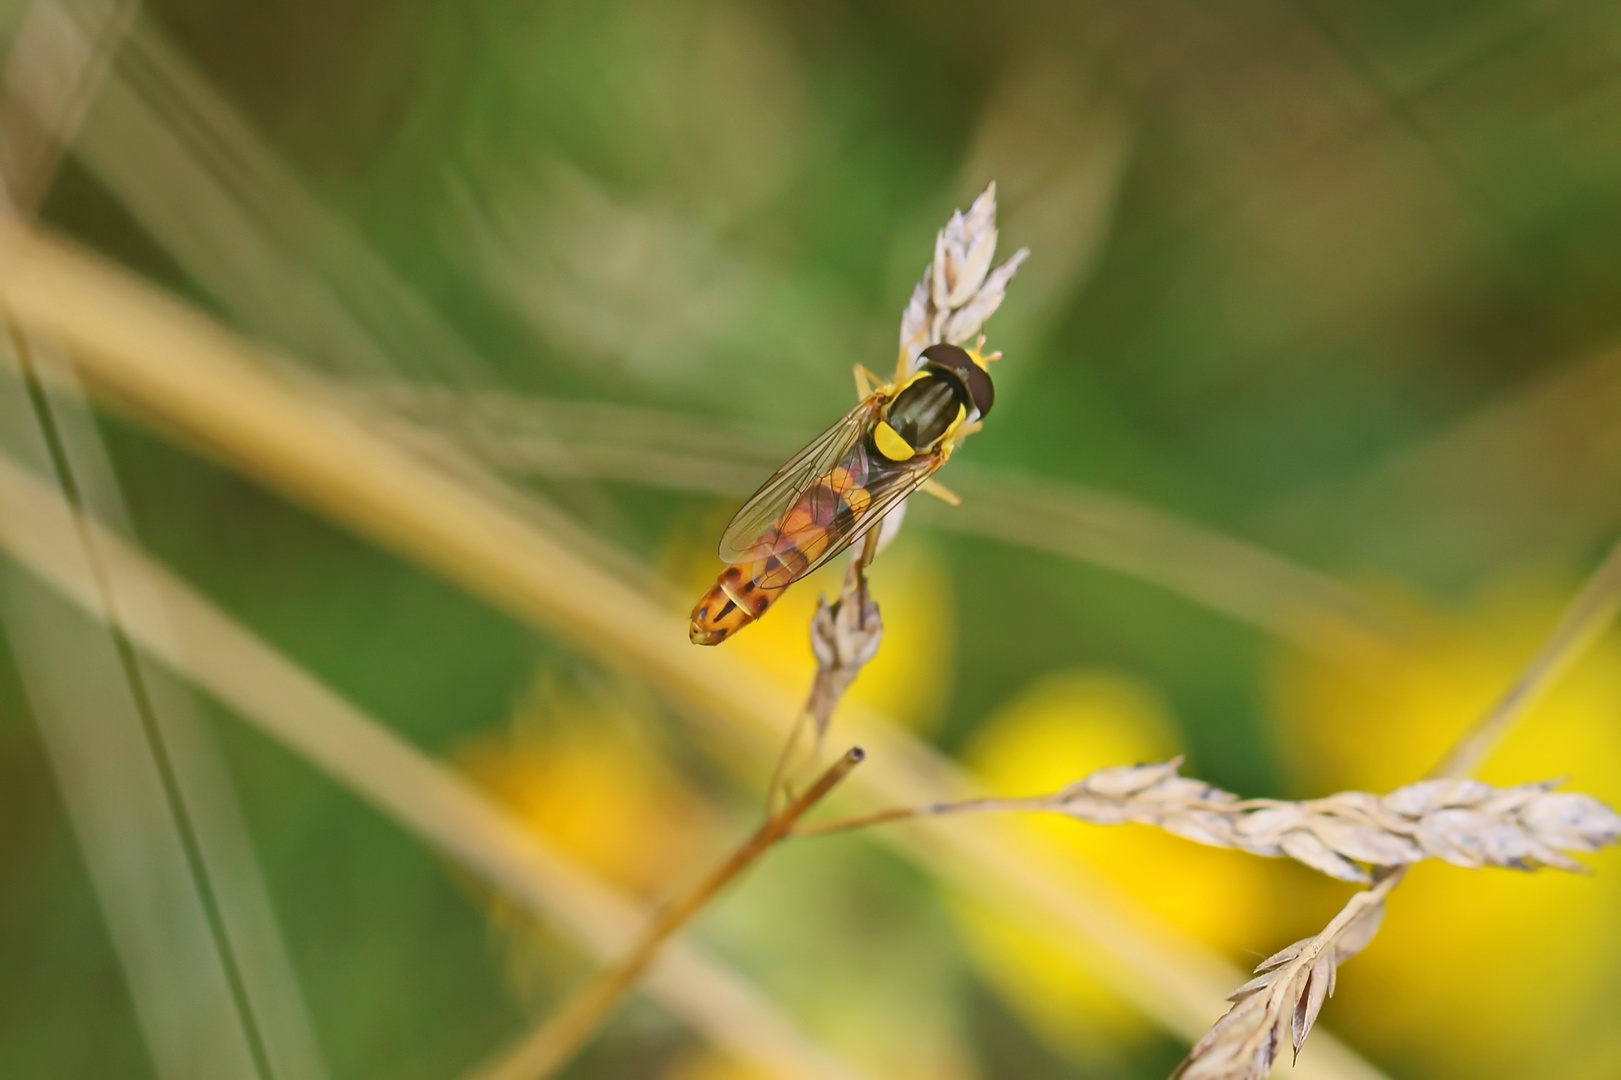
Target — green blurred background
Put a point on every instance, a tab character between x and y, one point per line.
1339	280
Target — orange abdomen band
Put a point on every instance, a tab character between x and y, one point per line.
735	601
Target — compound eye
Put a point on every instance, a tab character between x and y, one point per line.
953	357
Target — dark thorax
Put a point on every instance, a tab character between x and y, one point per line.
925	411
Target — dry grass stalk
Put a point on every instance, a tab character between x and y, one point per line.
58	60
140	348
555	1043
1244	1043
1463	822
1583	620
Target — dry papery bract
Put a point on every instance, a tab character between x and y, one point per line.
959	291
845	636
1284	999
1464	822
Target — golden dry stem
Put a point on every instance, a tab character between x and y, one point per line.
555	1043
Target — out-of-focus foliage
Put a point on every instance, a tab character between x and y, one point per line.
1342	280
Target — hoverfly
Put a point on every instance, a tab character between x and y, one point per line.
842	485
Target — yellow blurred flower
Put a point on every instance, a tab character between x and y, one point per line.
579	775
1059	730
1483	973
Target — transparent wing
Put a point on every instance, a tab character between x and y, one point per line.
807	547
759	524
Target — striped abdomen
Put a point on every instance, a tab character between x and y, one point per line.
745	591
736	600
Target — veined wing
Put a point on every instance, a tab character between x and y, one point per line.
759	524
832	516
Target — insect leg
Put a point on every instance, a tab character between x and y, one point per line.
941	492
866	381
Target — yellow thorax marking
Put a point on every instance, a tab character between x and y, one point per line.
890	444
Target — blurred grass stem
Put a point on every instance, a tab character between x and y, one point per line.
145	785
143	350
57	65
1588	615
555	1043
537	437
128	772
188	634
905	813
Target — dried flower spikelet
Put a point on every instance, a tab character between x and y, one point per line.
1571	822
1463	822
1124	781
1281	1004
1308	848
844	636
1262	832
1418	799
1200	826
959	291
